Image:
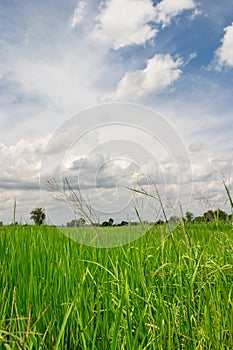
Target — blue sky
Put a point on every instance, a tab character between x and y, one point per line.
60	57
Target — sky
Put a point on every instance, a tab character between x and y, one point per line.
85	84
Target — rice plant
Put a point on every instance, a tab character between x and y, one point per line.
59	294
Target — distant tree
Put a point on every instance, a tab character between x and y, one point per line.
189	216
105	223
124	223
1	223
222	215
212	215
76	223
159	222
14	223
38	216
209	216
199	219
230	218
110	221
81	222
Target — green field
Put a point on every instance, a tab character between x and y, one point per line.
162	291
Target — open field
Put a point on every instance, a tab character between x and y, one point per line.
162	291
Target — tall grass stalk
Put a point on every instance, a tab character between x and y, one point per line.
229	197
14	213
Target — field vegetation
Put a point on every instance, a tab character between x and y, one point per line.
162	291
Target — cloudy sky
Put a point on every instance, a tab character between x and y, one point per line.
60	58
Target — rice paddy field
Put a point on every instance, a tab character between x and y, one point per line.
162	291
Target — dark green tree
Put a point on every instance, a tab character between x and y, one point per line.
209	216
189	216
199	219
213	215
222	215
38	216
110	221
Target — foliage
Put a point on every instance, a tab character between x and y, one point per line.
108	223
124	223
159	222
213	215
38	216
199	219
76	223
189	216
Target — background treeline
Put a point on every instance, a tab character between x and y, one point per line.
38	216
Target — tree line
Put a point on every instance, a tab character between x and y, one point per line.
38	215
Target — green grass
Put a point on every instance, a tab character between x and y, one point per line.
103	237
162	291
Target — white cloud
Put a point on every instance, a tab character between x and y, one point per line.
21	161
52	74
208	171
122	23
125	22
64	81
78	14
167	9
20	165
191	57
224	53
160	72
19	178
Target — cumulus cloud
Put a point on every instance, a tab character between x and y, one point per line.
104	176
100	170
208	170
78	14
167	9
53	72
124	22
20	163
19	179
224	54
160	72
